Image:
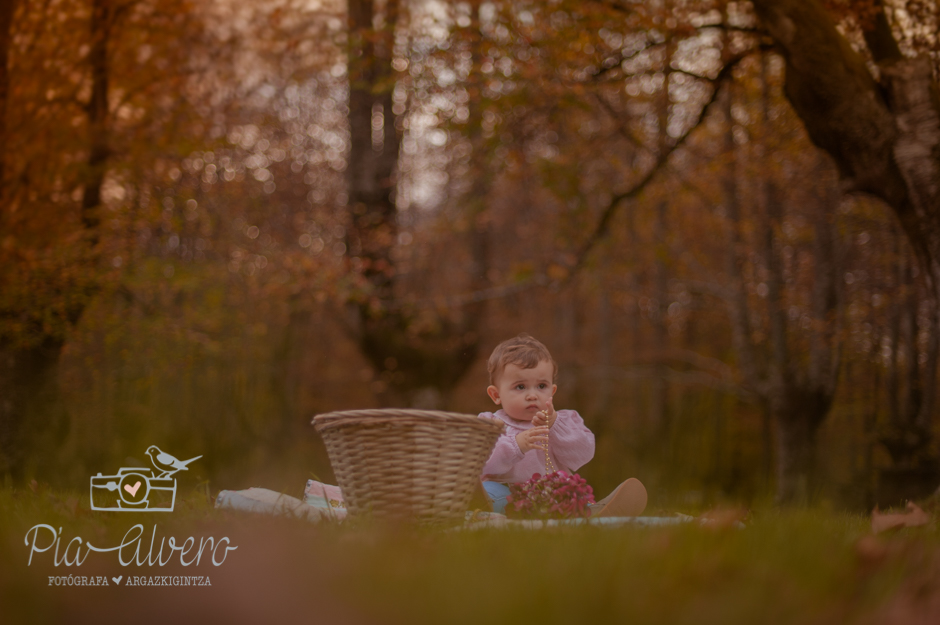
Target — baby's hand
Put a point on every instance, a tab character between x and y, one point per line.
533	438
545	417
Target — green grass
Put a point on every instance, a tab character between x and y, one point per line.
797	567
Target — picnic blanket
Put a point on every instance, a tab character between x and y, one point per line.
482	520
321	502
324	502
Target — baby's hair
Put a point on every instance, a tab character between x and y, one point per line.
523	351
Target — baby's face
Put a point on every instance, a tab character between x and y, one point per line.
523	392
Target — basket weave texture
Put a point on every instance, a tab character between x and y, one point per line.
397	463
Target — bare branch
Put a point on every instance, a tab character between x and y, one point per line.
751	30
679	70
601	229
625	57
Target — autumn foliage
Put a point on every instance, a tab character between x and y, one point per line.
221	218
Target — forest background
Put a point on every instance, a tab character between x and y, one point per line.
222	218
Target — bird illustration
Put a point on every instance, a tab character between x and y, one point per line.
165	463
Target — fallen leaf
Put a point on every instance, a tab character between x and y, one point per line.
914	517
720	518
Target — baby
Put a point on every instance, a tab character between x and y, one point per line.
522	381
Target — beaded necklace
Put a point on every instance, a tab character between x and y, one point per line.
549	465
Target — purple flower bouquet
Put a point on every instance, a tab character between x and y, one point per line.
553	496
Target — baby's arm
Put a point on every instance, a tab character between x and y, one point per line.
571	442
505	454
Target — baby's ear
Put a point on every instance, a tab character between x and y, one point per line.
493	392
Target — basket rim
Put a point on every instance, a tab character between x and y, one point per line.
374	416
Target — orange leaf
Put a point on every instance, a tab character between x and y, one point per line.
724	518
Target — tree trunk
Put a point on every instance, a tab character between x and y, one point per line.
796	455
912	377
929	385
287	371
10	402
893	383
884	137
605	342
415	368
738	305
768	222
7	9
660	426
660	410
28	374
374	144
795	391
801	398
27	390
97	119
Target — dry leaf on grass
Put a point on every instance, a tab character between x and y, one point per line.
720	518
914	517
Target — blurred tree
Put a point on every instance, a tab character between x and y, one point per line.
30	345
422	352
433	177
80	97
797	381
913	333
880	123
7	11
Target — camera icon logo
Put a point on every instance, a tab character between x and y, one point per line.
140	488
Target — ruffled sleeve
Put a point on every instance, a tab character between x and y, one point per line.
506	452
505	455
570	441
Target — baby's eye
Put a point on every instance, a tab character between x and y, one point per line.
520	387
543	386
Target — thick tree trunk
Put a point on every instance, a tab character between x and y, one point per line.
415	368
885	137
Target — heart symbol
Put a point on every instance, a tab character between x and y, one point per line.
132	491
117	580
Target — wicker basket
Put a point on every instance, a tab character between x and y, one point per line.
420	465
